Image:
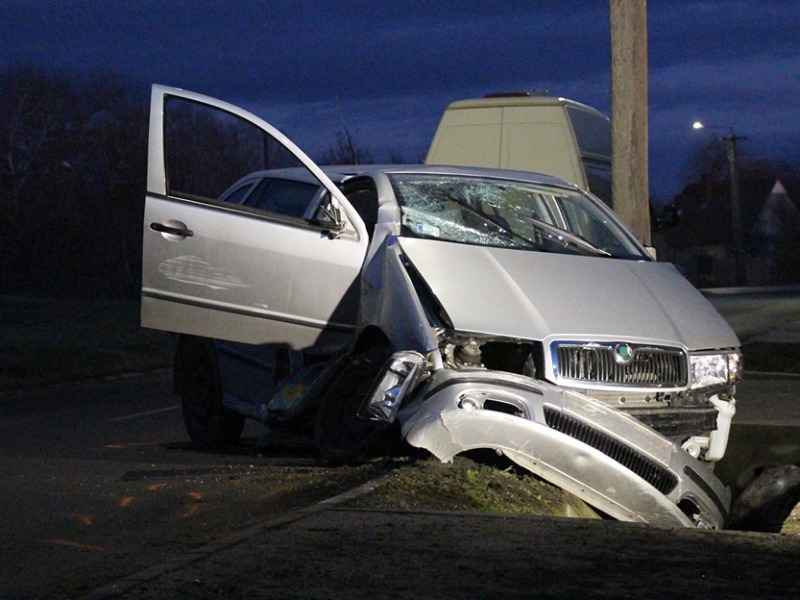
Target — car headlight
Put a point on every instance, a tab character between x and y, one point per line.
715	370
400	375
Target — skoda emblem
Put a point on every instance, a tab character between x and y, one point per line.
623	353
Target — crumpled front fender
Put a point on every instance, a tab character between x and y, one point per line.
609	459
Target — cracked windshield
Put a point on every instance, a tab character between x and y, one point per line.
509	214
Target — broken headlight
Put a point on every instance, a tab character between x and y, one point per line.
400	375
467	351
714	370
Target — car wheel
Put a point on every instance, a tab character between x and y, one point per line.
208	422
767	501
341	435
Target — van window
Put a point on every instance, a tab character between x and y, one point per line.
598	178
592	131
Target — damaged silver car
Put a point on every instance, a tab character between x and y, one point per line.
456	309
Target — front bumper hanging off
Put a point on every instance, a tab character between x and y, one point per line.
612	461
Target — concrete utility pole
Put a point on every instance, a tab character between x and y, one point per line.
630	186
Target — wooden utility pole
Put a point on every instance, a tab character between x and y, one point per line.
630	186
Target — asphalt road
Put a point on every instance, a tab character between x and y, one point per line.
766	429
97	481
332	551
769	314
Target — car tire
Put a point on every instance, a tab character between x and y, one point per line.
343	437
767	501
208	423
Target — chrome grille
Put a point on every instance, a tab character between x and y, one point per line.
602	363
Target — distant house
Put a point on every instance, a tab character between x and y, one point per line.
700	244
776	236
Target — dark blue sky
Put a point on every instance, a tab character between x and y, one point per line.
394	66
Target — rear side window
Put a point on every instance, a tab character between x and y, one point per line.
593	134
237	196
282	196
598	176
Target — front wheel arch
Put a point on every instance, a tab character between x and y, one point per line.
341	435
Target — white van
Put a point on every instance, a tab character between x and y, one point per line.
528	132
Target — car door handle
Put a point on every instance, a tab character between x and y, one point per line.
176	229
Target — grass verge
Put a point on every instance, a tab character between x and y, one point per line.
470	485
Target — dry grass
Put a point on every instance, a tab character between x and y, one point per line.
468	485
791	526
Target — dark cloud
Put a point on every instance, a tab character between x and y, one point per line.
387	70
300	50
723	31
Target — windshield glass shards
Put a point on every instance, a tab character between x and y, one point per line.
509	214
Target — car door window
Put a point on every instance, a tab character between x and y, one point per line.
208	150
363	196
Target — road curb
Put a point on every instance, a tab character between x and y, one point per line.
122	585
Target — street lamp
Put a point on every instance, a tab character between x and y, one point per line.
736	200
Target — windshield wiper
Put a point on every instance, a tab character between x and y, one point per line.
485	217
570	236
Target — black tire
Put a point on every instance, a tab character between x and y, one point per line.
342	437
767	501
208	423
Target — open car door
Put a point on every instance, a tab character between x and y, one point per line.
220	269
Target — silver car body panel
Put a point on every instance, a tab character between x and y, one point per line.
549	296
435	419
239	276
388	300
234	277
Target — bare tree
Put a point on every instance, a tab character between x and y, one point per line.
72	172
707	161
345	151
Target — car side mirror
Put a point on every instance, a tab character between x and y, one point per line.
329	216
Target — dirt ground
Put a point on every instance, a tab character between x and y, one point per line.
384	544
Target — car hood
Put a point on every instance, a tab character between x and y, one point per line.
538	296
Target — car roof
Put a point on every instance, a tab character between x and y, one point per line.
341	173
